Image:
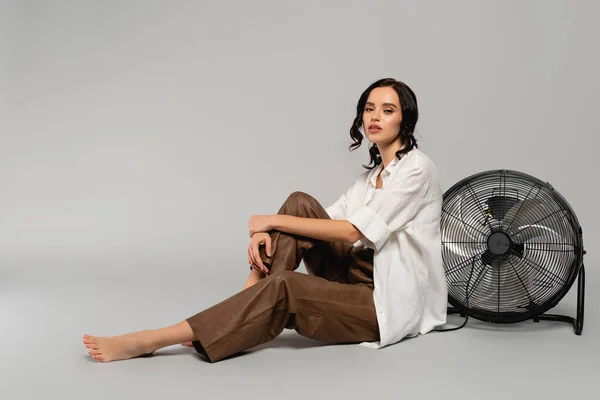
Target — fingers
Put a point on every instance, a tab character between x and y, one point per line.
254	258
255	261
258	260
268	245
257	269
255	244
251	258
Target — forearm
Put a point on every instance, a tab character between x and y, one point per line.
322	229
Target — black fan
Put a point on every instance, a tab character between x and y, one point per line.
512	248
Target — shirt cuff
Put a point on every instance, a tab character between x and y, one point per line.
372	226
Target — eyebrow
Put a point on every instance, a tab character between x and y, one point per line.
384	104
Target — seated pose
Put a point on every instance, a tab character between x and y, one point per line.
374	262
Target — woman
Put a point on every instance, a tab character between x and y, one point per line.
373	257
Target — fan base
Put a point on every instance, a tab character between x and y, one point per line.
576	322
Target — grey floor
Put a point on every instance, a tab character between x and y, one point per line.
47	305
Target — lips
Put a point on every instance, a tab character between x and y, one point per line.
374	128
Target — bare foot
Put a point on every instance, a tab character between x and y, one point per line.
187	344
122	347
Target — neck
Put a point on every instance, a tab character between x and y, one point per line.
388	151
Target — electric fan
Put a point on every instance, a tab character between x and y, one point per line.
512	248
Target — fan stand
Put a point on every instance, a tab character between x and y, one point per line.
576	322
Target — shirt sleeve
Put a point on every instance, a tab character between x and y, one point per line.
338	209
393	208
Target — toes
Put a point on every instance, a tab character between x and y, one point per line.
94	352
98	357
91	346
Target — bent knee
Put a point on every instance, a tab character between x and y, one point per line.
298	197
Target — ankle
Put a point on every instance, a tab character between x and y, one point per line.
151	340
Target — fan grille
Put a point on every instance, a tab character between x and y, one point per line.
511	246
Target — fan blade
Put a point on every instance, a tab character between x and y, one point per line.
472	216
456	238
506	287
464	229
534	218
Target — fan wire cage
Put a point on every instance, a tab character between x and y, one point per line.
512	248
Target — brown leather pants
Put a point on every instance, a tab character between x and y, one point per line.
333	303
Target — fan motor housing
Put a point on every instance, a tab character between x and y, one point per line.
499	243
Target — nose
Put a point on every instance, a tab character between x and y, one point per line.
375	116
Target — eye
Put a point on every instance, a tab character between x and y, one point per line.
368	109
389	111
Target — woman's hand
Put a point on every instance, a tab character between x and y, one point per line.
253	254
260	223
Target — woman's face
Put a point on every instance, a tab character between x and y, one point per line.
382	116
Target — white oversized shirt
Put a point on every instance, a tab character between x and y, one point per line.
401	222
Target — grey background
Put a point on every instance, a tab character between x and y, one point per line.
138	137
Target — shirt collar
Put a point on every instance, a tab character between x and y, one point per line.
386	172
